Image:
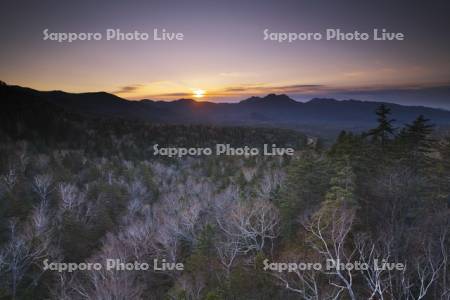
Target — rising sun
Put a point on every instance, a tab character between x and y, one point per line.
199	93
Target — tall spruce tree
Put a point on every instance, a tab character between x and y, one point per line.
385	130
418	134
416	141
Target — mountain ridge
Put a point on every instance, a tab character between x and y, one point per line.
272	110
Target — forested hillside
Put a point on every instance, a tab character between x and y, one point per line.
83	189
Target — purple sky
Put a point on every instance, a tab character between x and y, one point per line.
223	52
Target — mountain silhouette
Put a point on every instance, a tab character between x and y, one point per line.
316	116
269	100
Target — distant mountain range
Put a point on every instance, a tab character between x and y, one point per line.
317	116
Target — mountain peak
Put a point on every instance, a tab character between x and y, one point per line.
322	100
185	100
270	98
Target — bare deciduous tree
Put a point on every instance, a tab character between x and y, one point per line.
305	283
9	179
425	271
42	186
377	279
254	224
18	255
68	193
227	251
329	240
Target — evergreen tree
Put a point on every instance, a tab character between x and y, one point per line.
416	141
418	134
307	182
347	146
385	130
341	194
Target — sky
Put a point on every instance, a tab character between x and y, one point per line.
223	56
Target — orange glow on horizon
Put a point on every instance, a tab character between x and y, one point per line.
198	93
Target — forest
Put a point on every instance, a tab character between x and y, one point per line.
82	189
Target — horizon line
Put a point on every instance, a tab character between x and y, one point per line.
224	102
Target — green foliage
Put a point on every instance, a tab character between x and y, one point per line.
415	143
77	240
213	296
341	193
205	244
307	182
252	283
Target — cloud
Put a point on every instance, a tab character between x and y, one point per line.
266	88
301	88
244	87
128	89
175	95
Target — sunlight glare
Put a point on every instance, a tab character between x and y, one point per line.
199	93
